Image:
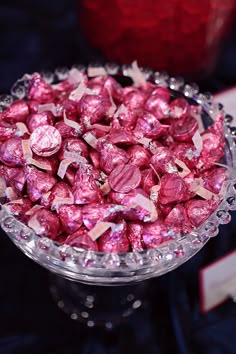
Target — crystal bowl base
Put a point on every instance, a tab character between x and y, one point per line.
101	306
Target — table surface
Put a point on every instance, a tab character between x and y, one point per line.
37	35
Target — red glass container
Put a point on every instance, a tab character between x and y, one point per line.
180	36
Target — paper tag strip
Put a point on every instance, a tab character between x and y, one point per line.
218	282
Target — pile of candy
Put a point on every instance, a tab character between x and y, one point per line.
91	164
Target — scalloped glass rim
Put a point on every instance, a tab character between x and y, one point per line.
116	269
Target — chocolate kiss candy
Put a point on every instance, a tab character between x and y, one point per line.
94	213
85	189
70	217
45	223
111	156
183	129
75	146
187	153
66	131
199	210
124	178
51	163
115	240
15	177
179	108
19	209
38	183
172	190
148	125
139	156
81	239
70	108
178	219
37	120
133	98
113	87
33	106
7	130
121	136
93	107
45	141
127	117
39	90
163	92
149	179
163	160
59	191
154	233
133	210
134	234
11	153
158	106
213	144
18	111
214	179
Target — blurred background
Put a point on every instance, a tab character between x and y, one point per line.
196	39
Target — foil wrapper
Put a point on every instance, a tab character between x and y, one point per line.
70	218
45	223
115	240
81	239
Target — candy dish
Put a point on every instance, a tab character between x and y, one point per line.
127	268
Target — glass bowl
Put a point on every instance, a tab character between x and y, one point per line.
97	268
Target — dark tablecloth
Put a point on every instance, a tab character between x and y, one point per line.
37	35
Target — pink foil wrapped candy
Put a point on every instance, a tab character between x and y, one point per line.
126	116
60	194
134	234
39	90
19	208
163	161
45	141
178	219
148	126
18	111
94	213
111	156
199	210
93	108
154	233
85	189
139	156
172	189
70	217
7	131
114	240
124	178
213	179
121	136
38	182
187	153
158	106
179	108
15	178
45	223
36	120
11	152
66	131
138	205
183	129
148	180
133	98
81	239
76	148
